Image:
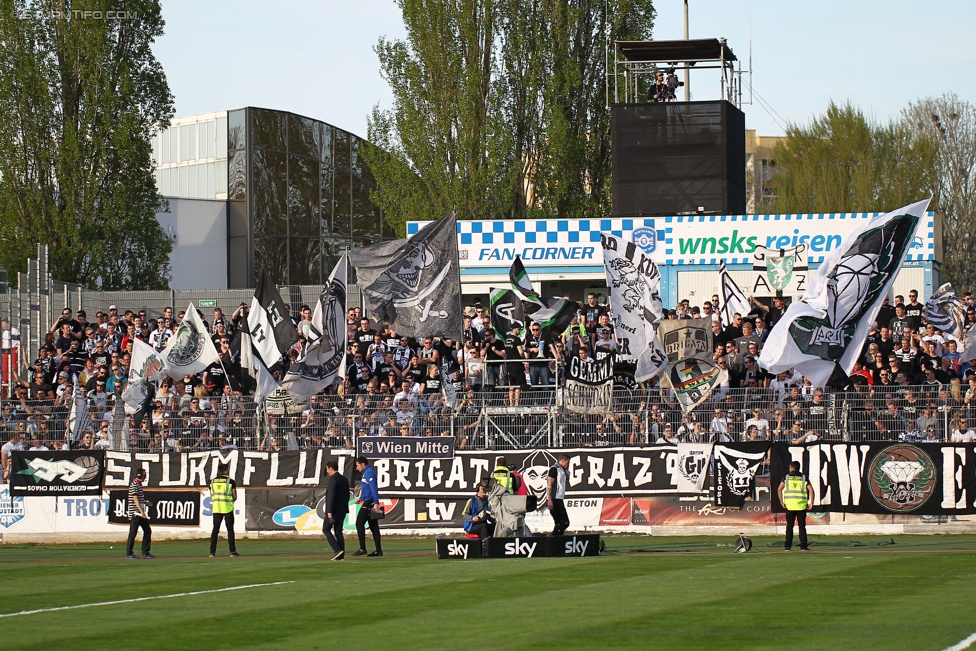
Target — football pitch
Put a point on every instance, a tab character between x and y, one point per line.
866	592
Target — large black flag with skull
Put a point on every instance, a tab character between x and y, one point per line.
414	284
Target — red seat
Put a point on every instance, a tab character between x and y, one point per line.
471	535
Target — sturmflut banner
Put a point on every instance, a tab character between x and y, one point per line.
589	386
882	478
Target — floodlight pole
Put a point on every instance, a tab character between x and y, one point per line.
687	65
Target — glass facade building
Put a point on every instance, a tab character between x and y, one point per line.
297	190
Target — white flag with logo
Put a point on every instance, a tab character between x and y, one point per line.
634	281
190	350
824	332
146	366
693	464
325	354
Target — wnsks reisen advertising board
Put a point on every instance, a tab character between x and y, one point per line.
883	478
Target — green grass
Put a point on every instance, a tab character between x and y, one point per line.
661	593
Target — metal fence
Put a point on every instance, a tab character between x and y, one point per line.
489	420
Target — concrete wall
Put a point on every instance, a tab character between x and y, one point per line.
198	230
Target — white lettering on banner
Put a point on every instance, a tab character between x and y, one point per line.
273	479
426	312
518	548
618	474
313	479
480	468
596	467
575	471
575	546
113	469
952	477
818	474
420	473
644	474
454	548
249	468
177	510
434	474
198	469
671	463
382	468
457	475
165	480
230	459
401	470
850	471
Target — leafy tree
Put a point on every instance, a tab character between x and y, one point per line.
499	108
80	95
843	162
951	123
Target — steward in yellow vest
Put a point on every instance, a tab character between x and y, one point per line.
223	494
796	494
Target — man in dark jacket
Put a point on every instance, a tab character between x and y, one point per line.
336	508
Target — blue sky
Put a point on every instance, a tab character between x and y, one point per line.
316	58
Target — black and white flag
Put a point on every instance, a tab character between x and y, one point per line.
79	417
552	313
947	312
325	352
414	284
779	271
735	471
266	384
635	301
589	386
272	331
505	312
693	464
824	332
733	300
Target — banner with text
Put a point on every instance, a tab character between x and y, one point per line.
405	447
883	478
57	473
179	508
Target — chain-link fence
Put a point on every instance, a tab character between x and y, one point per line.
488	419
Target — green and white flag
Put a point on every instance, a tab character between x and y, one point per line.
778	272
552	313
825	331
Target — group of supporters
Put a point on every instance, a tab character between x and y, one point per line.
911	382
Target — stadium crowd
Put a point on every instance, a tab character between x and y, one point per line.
911	384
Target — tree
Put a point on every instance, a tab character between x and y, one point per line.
80	95
951	123
499	108
843	162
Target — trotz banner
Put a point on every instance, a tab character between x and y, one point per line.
634	281
690	373
823	333
414	284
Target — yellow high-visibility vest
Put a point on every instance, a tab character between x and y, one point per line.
795	493
222	495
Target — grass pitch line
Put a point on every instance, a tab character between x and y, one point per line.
130	601
965	644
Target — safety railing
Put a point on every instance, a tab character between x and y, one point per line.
493	419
